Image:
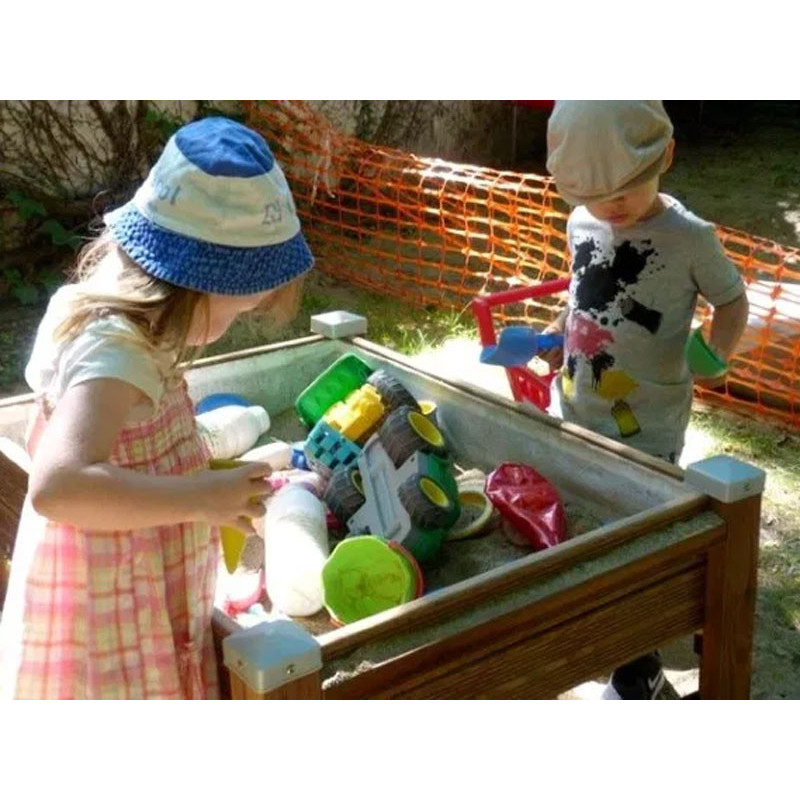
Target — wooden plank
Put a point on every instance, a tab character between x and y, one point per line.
453	599
13	488
726	662
17	399
222	626
481	641
309	687
543	663
581	648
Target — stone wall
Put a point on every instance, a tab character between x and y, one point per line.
466	131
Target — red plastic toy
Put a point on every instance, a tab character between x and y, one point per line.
529	502
525	383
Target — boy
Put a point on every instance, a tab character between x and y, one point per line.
639	260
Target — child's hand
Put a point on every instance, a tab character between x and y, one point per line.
232	497
554	357
711	383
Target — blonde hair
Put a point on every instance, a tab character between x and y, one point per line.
161	312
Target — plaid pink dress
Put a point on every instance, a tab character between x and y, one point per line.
122	614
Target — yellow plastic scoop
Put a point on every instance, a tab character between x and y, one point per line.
231	539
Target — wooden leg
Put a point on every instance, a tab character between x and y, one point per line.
262	662
309	687
13	487
726	660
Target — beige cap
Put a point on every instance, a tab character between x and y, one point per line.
599	148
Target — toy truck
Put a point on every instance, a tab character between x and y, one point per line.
401	488
344	425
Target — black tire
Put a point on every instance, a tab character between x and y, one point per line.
401	439
345	494
392	392
426	502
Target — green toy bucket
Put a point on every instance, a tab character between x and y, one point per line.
701	359
365	575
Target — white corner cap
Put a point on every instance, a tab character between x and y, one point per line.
339	324
271	654
726	479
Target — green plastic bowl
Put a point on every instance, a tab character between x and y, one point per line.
702	360
365	575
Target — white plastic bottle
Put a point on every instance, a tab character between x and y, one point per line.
229	431
277	454
295	551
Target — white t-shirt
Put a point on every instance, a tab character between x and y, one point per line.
108	347
632	297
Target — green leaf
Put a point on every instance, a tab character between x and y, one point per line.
26	207
166	124
13	277
27	295
59	235
51	280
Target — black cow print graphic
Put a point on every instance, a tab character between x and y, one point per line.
602	288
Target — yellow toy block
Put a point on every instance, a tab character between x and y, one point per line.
358	415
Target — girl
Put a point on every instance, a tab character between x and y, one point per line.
114	568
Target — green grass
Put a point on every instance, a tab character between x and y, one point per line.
393	323
750	181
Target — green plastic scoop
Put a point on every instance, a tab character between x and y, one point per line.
702	360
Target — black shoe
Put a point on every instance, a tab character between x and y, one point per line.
642	679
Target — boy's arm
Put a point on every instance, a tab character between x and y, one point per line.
719	282
727	326
555	356
558	324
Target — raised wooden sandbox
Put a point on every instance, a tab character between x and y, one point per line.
648	558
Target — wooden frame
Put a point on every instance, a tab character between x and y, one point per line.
544	623
545	647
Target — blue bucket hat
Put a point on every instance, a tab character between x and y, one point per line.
215	214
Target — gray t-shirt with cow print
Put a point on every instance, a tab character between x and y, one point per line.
632	297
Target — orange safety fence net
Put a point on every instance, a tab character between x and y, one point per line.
438	234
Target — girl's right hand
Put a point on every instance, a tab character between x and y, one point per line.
232	497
